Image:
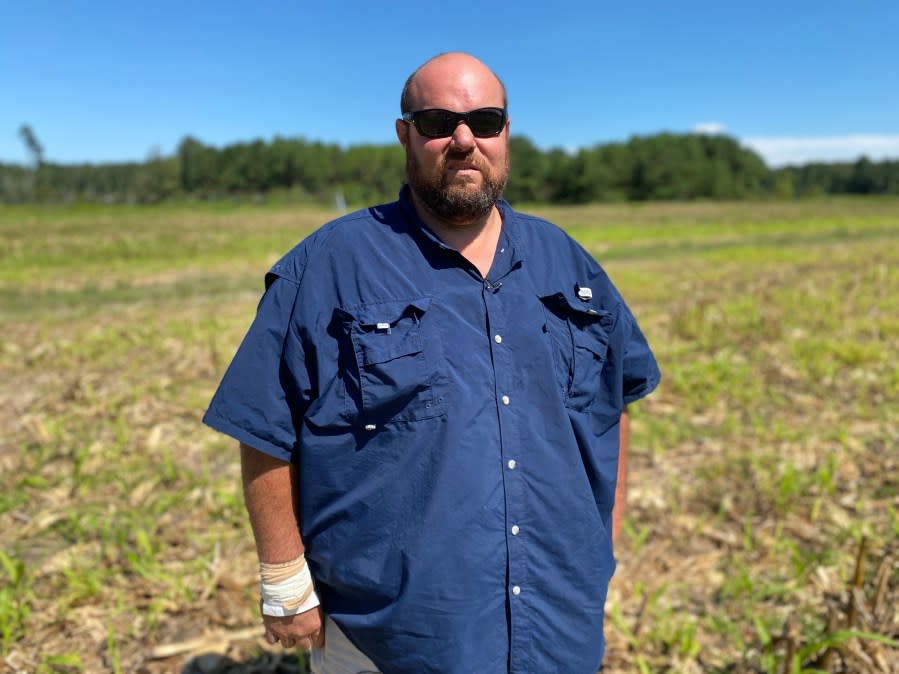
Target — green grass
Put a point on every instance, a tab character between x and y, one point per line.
764	459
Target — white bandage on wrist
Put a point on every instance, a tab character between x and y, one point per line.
286	588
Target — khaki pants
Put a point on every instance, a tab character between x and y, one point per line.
339	656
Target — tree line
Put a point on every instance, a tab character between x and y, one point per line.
661	166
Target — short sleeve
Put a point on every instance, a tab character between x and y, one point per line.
640	370
259	397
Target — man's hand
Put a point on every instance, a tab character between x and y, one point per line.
303	630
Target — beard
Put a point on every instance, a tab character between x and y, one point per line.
458	204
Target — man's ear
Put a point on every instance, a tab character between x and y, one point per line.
402	132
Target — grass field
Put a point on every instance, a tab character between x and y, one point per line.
763	524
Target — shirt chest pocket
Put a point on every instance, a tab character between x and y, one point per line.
579	335
393	374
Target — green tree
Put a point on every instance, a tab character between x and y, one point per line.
527	179
199	166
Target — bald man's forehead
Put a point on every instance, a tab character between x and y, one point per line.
455	80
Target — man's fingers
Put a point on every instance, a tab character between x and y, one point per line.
306	643
295	632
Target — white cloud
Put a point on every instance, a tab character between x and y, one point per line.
709	128
780	151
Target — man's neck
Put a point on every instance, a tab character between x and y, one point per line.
476	241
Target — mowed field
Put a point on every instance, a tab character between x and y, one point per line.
762	532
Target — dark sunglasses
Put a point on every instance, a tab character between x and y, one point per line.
439	123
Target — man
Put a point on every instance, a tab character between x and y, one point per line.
429	405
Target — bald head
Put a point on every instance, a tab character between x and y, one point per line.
450	71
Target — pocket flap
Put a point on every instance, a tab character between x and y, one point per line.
590	325
384	331
569	306
391	311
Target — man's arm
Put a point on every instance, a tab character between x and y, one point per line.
621	481
270	494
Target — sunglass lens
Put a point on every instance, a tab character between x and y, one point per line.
435	123
486	121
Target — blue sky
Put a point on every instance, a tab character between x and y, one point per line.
110	80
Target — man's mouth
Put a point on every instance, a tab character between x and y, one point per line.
461	162
462	166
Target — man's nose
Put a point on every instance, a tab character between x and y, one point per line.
462	138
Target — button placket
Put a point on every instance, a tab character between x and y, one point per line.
501	304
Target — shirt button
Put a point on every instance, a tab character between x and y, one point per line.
515	529
511	464
516	590
498	339
505	400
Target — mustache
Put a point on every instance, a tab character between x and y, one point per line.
463	158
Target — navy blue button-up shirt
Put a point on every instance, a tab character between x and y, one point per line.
456	437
